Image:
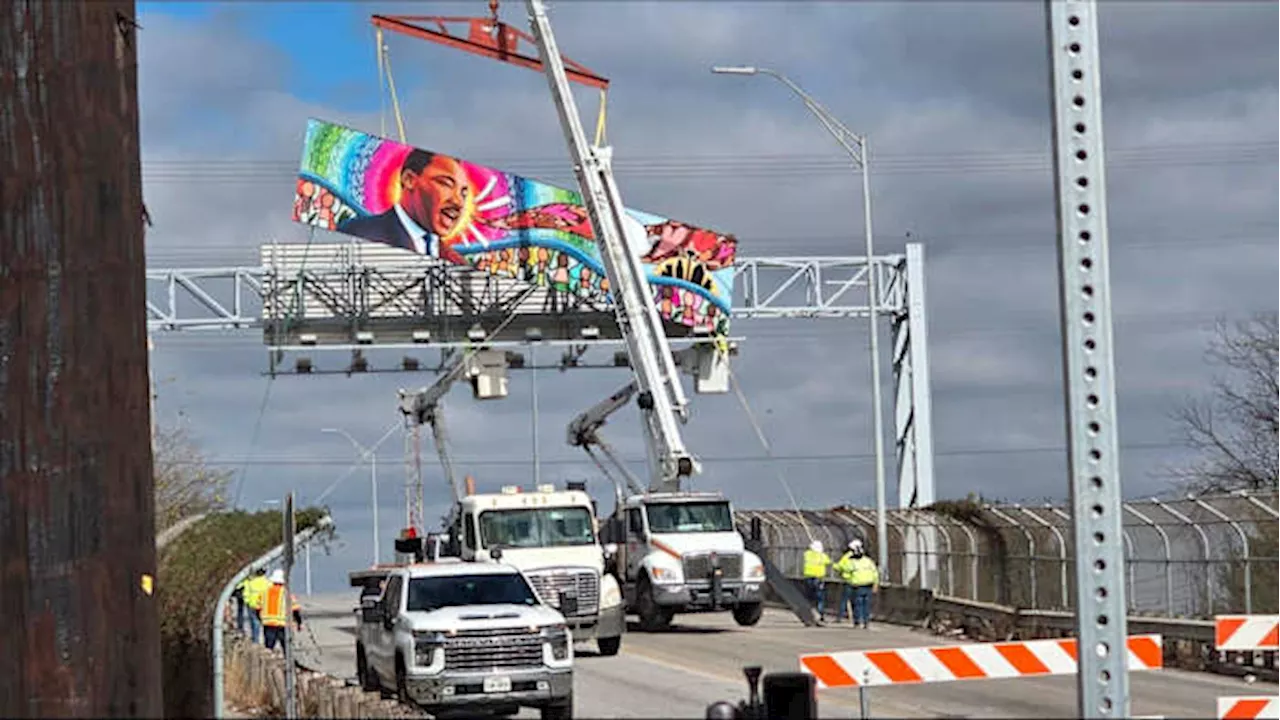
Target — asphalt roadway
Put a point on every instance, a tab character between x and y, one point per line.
699	661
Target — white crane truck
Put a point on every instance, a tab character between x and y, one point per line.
459	636
681	551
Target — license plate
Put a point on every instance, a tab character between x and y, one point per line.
497	684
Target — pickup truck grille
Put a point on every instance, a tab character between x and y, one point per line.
484	650
698	567
550	583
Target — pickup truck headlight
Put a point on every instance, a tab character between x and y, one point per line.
558	637
755	572
425	646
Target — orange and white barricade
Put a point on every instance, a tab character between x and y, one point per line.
977	661
1246	632
1249	708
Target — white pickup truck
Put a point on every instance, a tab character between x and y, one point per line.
459	636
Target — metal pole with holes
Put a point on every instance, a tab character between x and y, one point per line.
1088	367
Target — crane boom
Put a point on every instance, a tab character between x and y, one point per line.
422	407
662	400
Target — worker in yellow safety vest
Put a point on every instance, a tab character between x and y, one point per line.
861	578
254	588
816	563
275	613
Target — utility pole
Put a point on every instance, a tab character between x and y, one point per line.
77	512
290	669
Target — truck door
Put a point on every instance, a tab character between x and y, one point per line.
635	542
383	652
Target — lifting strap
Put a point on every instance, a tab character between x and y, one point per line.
600	118
384	73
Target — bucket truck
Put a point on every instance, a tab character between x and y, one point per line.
548	535
678	551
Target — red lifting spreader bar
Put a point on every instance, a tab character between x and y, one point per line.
487	37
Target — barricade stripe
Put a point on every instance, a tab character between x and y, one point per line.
923	662
1069	647
1022	659
993	664
893	667
957	662
1148	651
1225	627
827	671
1272	639
1248	708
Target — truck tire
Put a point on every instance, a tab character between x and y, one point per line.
368	683
609	646
748	614
559	710
652	615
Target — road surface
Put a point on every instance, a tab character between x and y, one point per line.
699	661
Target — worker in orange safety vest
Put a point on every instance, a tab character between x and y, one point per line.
275	613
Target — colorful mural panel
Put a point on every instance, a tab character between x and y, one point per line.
384	191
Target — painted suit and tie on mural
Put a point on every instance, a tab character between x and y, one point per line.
466	214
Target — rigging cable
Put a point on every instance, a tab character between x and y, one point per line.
768	449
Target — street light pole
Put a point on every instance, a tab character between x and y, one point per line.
373	482
856	146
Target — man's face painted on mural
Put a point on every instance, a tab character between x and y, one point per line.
435	197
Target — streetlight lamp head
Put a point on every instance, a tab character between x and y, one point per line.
734	70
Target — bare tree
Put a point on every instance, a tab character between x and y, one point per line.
1236	429
185	484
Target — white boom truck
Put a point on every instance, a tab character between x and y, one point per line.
457	636
681	552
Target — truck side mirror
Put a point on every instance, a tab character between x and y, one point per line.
371	611
610	558
496	554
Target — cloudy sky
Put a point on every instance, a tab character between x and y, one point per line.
954	99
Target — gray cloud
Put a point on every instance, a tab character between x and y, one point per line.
953	98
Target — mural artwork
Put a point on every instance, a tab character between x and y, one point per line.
384	191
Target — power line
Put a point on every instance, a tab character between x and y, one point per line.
747	166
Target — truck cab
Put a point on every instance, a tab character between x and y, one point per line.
680	553
551	536
454	635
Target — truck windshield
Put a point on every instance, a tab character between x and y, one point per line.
541	527
432	593
689	517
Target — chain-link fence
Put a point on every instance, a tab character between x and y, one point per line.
1191	557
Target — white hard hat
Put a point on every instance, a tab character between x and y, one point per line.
855	544
816	546
277	576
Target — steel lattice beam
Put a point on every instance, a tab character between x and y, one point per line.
335	290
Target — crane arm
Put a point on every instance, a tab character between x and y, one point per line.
422	407
662	401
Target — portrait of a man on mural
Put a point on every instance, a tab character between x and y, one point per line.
433	192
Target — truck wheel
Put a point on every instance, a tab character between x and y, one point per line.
748	614
559	710
609	646
367	682
652	615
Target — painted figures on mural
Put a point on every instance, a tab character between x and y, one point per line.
380	190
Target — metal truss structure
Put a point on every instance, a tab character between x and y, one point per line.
356	297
